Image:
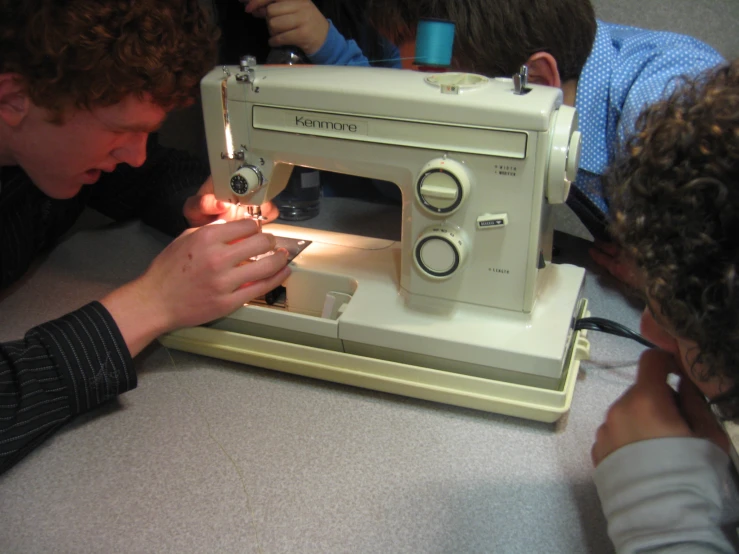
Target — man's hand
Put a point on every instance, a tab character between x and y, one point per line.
292	23
204	208
202	275
614	260
651	409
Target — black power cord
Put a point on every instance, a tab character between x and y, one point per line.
608	326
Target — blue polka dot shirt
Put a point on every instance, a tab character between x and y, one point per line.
628	68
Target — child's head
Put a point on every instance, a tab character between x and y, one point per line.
675	205
496	37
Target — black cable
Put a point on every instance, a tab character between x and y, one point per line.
608	326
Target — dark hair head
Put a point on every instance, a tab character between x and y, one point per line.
496	37
84	54
675	205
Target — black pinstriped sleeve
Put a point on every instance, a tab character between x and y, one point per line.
59	369
73	364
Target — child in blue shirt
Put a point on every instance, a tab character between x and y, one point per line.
300	23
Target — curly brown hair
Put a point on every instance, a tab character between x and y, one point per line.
496	37
675	206
83	54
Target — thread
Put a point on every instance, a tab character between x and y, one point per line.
434	43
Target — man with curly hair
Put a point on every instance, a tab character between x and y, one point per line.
82	86
660	455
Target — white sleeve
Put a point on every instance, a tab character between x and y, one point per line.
665	496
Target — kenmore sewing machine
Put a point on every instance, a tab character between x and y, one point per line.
467	308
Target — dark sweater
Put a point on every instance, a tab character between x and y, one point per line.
73	364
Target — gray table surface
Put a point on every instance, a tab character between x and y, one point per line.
212	456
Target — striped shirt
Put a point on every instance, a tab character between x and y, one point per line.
72	364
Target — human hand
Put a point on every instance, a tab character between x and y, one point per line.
647	410
291	23
698	414
611	257
203	208
204	274
207	273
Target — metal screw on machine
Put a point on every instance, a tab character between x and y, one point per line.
247	65
520	80
246	62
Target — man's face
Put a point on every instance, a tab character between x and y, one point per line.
60	159
684	351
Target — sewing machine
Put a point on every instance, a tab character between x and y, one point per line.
467	308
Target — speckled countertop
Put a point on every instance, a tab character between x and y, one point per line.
210	456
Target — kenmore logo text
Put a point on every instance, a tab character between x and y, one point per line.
302	121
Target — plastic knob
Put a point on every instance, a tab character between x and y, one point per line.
440	251
247	180
442	185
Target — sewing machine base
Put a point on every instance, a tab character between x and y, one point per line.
392	377
345	320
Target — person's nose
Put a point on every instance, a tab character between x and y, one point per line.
133	150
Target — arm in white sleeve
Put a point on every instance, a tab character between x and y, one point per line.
664	496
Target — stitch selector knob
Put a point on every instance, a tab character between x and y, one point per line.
442	185
247	180
440	251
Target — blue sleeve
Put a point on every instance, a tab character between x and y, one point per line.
392	54
336	50
649	80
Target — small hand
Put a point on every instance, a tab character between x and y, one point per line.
204	208
611	257
270	212
257	10
292	23
647	410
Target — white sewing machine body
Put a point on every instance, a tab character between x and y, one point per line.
467	308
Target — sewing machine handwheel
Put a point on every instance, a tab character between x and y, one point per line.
564	155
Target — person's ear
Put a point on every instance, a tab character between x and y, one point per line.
543	70
14	101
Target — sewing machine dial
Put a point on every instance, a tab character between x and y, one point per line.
246	180
442	185
440	251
